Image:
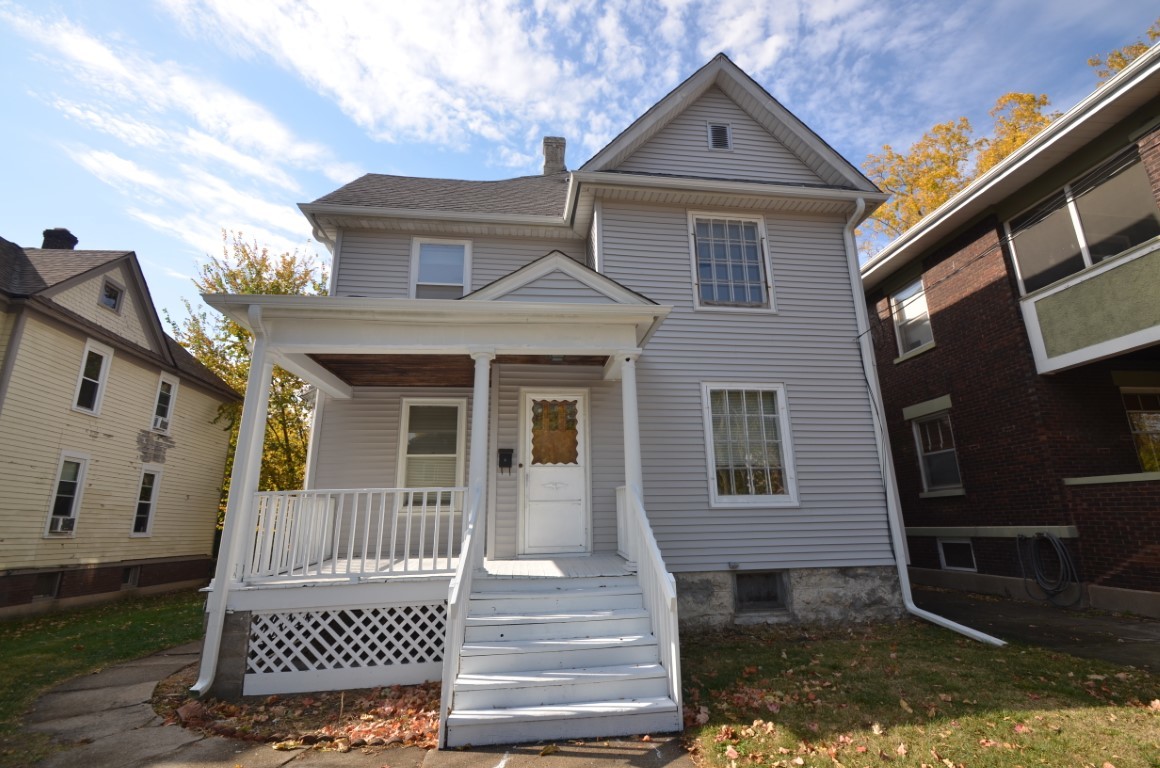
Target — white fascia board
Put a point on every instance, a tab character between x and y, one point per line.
717	186
371	211
1079	125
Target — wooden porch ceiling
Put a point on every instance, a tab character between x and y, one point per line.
429	370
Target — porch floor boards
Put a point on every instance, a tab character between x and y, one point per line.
343	569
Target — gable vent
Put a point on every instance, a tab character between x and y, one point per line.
720	137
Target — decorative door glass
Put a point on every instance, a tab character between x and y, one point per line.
555	439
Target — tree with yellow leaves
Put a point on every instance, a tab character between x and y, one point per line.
1111	63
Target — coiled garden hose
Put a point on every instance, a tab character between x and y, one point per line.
1031	551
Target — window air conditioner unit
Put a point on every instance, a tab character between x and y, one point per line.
61	524
161	423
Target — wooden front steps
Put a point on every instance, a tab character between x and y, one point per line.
558	658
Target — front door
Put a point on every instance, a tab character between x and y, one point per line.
555	513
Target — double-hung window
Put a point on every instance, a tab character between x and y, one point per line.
66	498
1105	212
748	445
432	453
730	265
936	453
1143	409
93	375
146	501
440	269
163	408
911	318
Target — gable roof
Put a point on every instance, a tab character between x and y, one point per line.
561	263
1109	104
767	111
527	195
31	274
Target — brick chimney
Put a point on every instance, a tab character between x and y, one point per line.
59	239
554	155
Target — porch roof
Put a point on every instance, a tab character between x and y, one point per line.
330	340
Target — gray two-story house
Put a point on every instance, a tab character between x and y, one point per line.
557	412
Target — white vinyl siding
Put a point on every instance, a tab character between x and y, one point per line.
810	347
681	147
378	264
38	402
559	287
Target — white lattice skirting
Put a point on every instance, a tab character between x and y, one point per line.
341	648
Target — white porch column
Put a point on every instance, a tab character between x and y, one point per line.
633	474
477	468
239	505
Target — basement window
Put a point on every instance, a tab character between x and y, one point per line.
720	136
130	577
956	555
760	591
47	586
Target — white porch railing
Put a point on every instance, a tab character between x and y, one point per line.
638	545
353	533
458	595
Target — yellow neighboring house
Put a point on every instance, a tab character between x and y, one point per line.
110	460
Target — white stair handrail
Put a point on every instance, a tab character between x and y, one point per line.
658	586
458	596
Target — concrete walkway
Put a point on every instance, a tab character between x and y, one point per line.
107	720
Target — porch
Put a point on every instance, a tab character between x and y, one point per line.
345	585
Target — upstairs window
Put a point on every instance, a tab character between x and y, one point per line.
1099	215
111	295
93	374
720	136
163	409
440	269
1143	409
66	499
911	319
729	263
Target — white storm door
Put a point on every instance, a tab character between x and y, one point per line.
555	482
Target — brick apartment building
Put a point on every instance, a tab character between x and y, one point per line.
1017	337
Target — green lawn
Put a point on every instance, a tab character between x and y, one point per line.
909	694
36	653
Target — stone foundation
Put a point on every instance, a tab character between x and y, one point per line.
812	596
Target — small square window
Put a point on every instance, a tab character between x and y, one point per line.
936	451
47	586
440	268
111	295
760	591
720	136
956	555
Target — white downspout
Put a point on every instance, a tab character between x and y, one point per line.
893	512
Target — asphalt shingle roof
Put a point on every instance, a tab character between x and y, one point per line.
526	195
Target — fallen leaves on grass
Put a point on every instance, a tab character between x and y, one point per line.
338	721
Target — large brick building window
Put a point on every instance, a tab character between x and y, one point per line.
1143	410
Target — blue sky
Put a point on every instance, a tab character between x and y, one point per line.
151	126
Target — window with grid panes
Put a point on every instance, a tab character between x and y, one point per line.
749	444
730	263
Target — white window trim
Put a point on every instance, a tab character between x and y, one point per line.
417	242
120	298
789	499
942	559
709	135
1073	214
106	364
83	459
927	491
766	263
173	381
894	305
460	438
156	470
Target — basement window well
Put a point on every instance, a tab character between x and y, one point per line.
760	591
